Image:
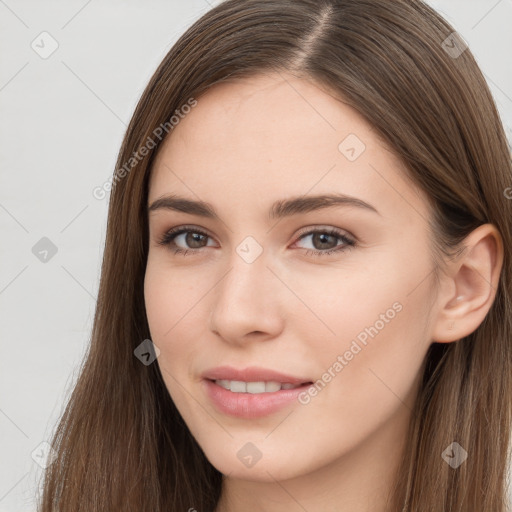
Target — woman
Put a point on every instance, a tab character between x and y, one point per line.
305	299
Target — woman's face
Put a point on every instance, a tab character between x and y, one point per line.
332	295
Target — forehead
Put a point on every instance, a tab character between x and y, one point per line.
276	135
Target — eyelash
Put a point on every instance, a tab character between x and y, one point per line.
168	239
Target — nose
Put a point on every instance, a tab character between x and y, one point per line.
246	303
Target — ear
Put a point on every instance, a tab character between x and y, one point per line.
470	285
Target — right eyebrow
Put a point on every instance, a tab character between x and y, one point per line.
182	204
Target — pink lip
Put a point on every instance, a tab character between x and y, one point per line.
251	374
249	405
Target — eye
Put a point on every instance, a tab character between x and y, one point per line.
326	241
192	238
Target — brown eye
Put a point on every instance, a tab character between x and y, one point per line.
324	241
327	241
184	239
195	240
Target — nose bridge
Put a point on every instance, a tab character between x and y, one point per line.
246	298
248	273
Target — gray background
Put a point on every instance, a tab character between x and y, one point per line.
63	118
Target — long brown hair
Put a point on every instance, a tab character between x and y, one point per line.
121	443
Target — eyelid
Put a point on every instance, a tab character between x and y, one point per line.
320	228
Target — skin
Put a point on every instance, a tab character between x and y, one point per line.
245	145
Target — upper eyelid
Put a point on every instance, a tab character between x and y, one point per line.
324	227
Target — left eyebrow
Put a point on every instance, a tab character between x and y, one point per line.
280	209
304	204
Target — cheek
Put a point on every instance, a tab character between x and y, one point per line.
172	307
168	300
177	309
169	297
368	340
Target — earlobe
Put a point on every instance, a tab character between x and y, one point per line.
473	280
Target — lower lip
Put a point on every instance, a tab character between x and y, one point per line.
251	405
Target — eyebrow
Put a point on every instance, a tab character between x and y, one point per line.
280	209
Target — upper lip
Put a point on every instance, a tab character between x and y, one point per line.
251	374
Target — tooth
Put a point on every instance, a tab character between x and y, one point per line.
272	386
238	386
255	387
224	383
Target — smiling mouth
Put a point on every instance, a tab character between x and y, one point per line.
250	399
257	387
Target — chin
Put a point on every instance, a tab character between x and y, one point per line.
252	461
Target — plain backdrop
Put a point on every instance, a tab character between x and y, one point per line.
62	120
